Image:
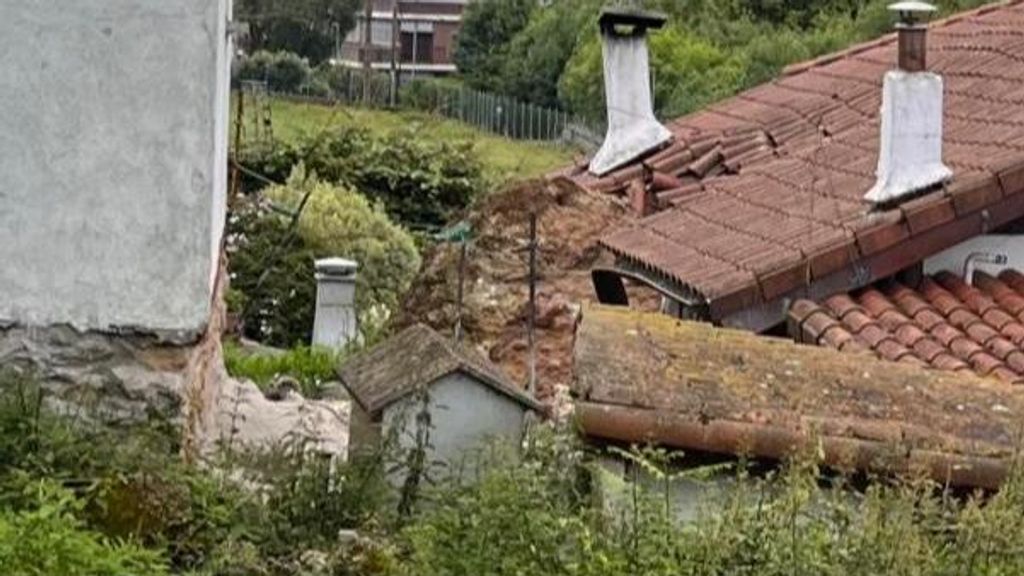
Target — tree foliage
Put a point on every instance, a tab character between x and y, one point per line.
709	49
422	183
306	27
282	71
487	28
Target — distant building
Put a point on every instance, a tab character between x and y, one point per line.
468	399
425	41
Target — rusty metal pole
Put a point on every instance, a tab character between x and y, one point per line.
913	47
236	175
461	292
367	50
395	33
532	312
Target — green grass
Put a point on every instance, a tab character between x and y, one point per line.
504	160
312	367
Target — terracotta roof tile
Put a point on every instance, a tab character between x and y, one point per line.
780	172
1007	297
945	323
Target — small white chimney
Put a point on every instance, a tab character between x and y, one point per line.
335	324
910	156
632	128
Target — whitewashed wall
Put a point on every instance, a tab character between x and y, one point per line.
465	415
113	125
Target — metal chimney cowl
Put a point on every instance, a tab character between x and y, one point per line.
632	128
910	153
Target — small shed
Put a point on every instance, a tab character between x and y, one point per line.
467	397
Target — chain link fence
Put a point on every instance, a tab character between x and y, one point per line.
494	113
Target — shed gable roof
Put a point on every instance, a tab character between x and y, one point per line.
761	195
419	356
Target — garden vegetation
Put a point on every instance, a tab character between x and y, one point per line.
80	499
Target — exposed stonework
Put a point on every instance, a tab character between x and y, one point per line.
126	379
122	379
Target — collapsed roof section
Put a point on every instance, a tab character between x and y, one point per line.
759	199
644	377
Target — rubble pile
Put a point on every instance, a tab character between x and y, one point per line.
569	223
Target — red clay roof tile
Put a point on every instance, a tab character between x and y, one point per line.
794	158
945	323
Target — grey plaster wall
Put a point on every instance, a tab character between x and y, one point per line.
113	122
465	414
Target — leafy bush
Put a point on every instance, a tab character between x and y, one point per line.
273	287
427	94
128	485
339	222
272	263
421	182
307	27
307	499
129	505
282	71
48	538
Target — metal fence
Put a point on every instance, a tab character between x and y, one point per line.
499	114
494	113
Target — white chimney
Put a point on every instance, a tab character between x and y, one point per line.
335	324
910	156
632	128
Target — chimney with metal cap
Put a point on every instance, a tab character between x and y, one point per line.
910	153
632	128
335	324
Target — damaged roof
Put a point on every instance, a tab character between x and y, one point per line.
943	323
643	377
760	197
419	356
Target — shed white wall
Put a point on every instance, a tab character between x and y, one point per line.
465	413
112	161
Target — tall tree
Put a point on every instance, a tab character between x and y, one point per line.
537	55
309	28
487	28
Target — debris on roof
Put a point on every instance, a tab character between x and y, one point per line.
643	377
761	195
418	356
944	323
569	222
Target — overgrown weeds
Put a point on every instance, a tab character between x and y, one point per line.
75	499
311	367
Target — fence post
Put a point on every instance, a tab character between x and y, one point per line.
533	112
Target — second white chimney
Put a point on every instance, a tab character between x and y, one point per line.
632	128
910	153
335	323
